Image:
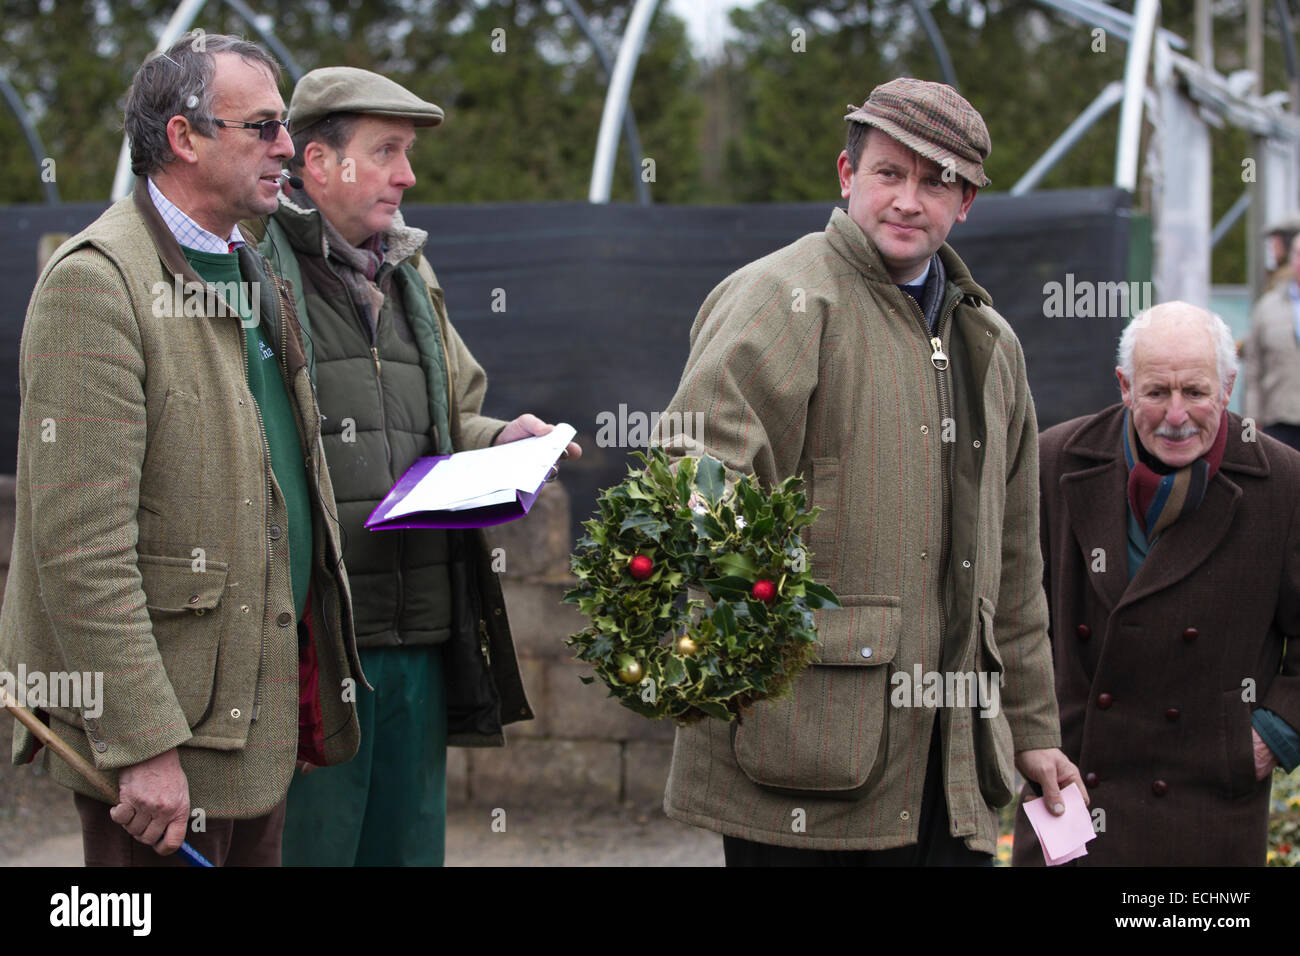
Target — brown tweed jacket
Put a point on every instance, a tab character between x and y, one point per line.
811	361
149	543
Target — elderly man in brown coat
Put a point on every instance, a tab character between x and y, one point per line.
867	359
1172	551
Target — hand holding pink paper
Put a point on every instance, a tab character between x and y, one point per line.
1062	838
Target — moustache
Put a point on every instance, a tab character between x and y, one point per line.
1177	434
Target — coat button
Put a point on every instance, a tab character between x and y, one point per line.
1091	780
1172	714
1191	634
194	599
925	429
866	652
234	712
1104	701
904	815
285	619
965	564
275	532
976	443
1159	788
101	746
1084	632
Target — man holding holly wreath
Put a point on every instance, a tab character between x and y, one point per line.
867	359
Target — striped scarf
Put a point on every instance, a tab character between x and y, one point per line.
1160	497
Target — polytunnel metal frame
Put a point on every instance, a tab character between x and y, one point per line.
188	10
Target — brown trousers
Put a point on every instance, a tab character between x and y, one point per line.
254	842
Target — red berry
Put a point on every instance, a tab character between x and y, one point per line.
640	567
764	591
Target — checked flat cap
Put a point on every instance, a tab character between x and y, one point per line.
934	120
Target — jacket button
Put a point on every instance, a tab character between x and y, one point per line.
235	713
1084	632
1172	714
275	532
101	746
977	443
1104	701
866	652
285	619
194	599
904	815
1191	634
244	608
965	564
925	429
1159	788
248	501
1091	780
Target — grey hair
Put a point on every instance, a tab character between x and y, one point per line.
334	130
179	83
1225	347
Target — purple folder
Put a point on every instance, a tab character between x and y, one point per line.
483	517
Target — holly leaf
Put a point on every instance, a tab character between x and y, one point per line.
729	588
819	596
739	565
711	479
674	672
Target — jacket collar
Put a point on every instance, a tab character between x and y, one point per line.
169	250
1099	438
305	227
847	238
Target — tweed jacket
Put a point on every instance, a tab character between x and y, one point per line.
811	361
1272	360
150	541
1182	653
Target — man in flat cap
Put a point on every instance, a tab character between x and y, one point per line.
867	359
395	383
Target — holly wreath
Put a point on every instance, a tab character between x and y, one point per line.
667	533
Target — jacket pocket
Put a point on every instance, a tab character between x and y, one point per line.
825	738
1236	746
188	621
995	751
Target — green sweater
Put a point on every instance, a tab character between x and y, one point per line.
267	386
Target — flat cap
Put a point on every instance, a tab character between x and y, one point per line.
1283	228
934	120
345	89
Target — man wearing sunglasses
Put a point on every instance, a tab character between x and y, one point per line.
175	533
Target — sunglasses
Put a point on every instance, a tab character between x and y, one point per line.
267	130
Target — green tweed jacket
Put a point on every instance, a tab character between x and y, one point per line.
811	361
150	542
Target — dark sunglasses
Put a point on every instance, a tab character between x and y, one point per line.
267	130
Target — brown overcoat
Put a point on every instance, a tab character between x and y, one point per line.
1185	651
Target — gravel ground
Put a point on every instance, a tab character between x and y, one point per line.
39	827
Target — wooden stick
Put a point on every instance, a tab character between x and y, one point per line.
56	743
